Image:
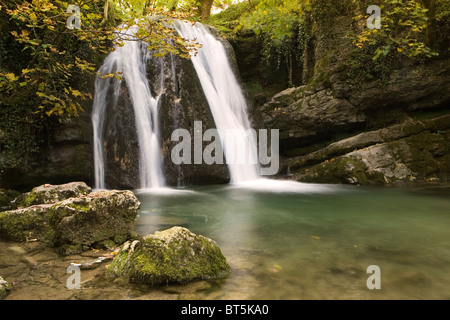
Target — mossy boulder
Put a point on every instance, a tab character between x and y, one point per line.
48	193
98	217
173	255
24	224
75	224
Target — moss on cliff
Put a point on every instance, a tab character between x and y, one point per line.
348	170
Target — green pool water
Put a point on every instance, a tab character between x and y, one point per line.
283	241
315	241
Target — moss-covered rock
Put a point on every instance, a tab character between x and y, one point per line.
48	193
173	255
24	224
99	216
74	224
415	151
348	170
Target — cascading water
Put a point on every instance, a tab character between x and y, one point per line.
102	88
225	98
224	95
131	60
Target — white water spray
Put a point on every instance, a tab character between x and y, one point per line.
226	100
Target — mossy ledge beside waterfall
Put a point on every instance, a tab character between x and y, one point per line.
155	89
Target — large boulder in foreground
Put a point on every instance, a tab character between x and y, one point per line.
173	255
74	224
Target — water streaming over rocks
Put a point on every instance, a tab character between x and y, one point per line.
219	84
130	60
225	97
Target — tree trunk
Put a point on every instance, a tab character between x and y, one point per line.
205	9
290	68
309	59
431	28
105	13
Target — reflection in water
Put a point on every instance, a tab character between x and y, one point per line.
317	242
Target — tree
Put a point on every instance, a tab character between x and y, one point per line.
57	55
205	9
282	25
46	69
200	9
403	31
430	5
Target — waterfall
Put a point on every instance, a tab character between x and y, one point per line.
102	88
131	60
220	86
225	98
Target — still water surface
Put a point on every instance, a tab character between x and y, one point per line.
288	241
315	241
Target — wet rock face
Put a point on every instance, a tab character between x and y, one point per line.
181	103
68	157
74	224
121	146
415	151
304	116
173	255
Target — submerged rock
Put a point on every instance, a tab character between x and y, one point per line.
74	224
48	193
173	255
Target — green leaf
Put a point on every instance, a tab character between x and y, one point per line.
377	54
33	16
11	77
